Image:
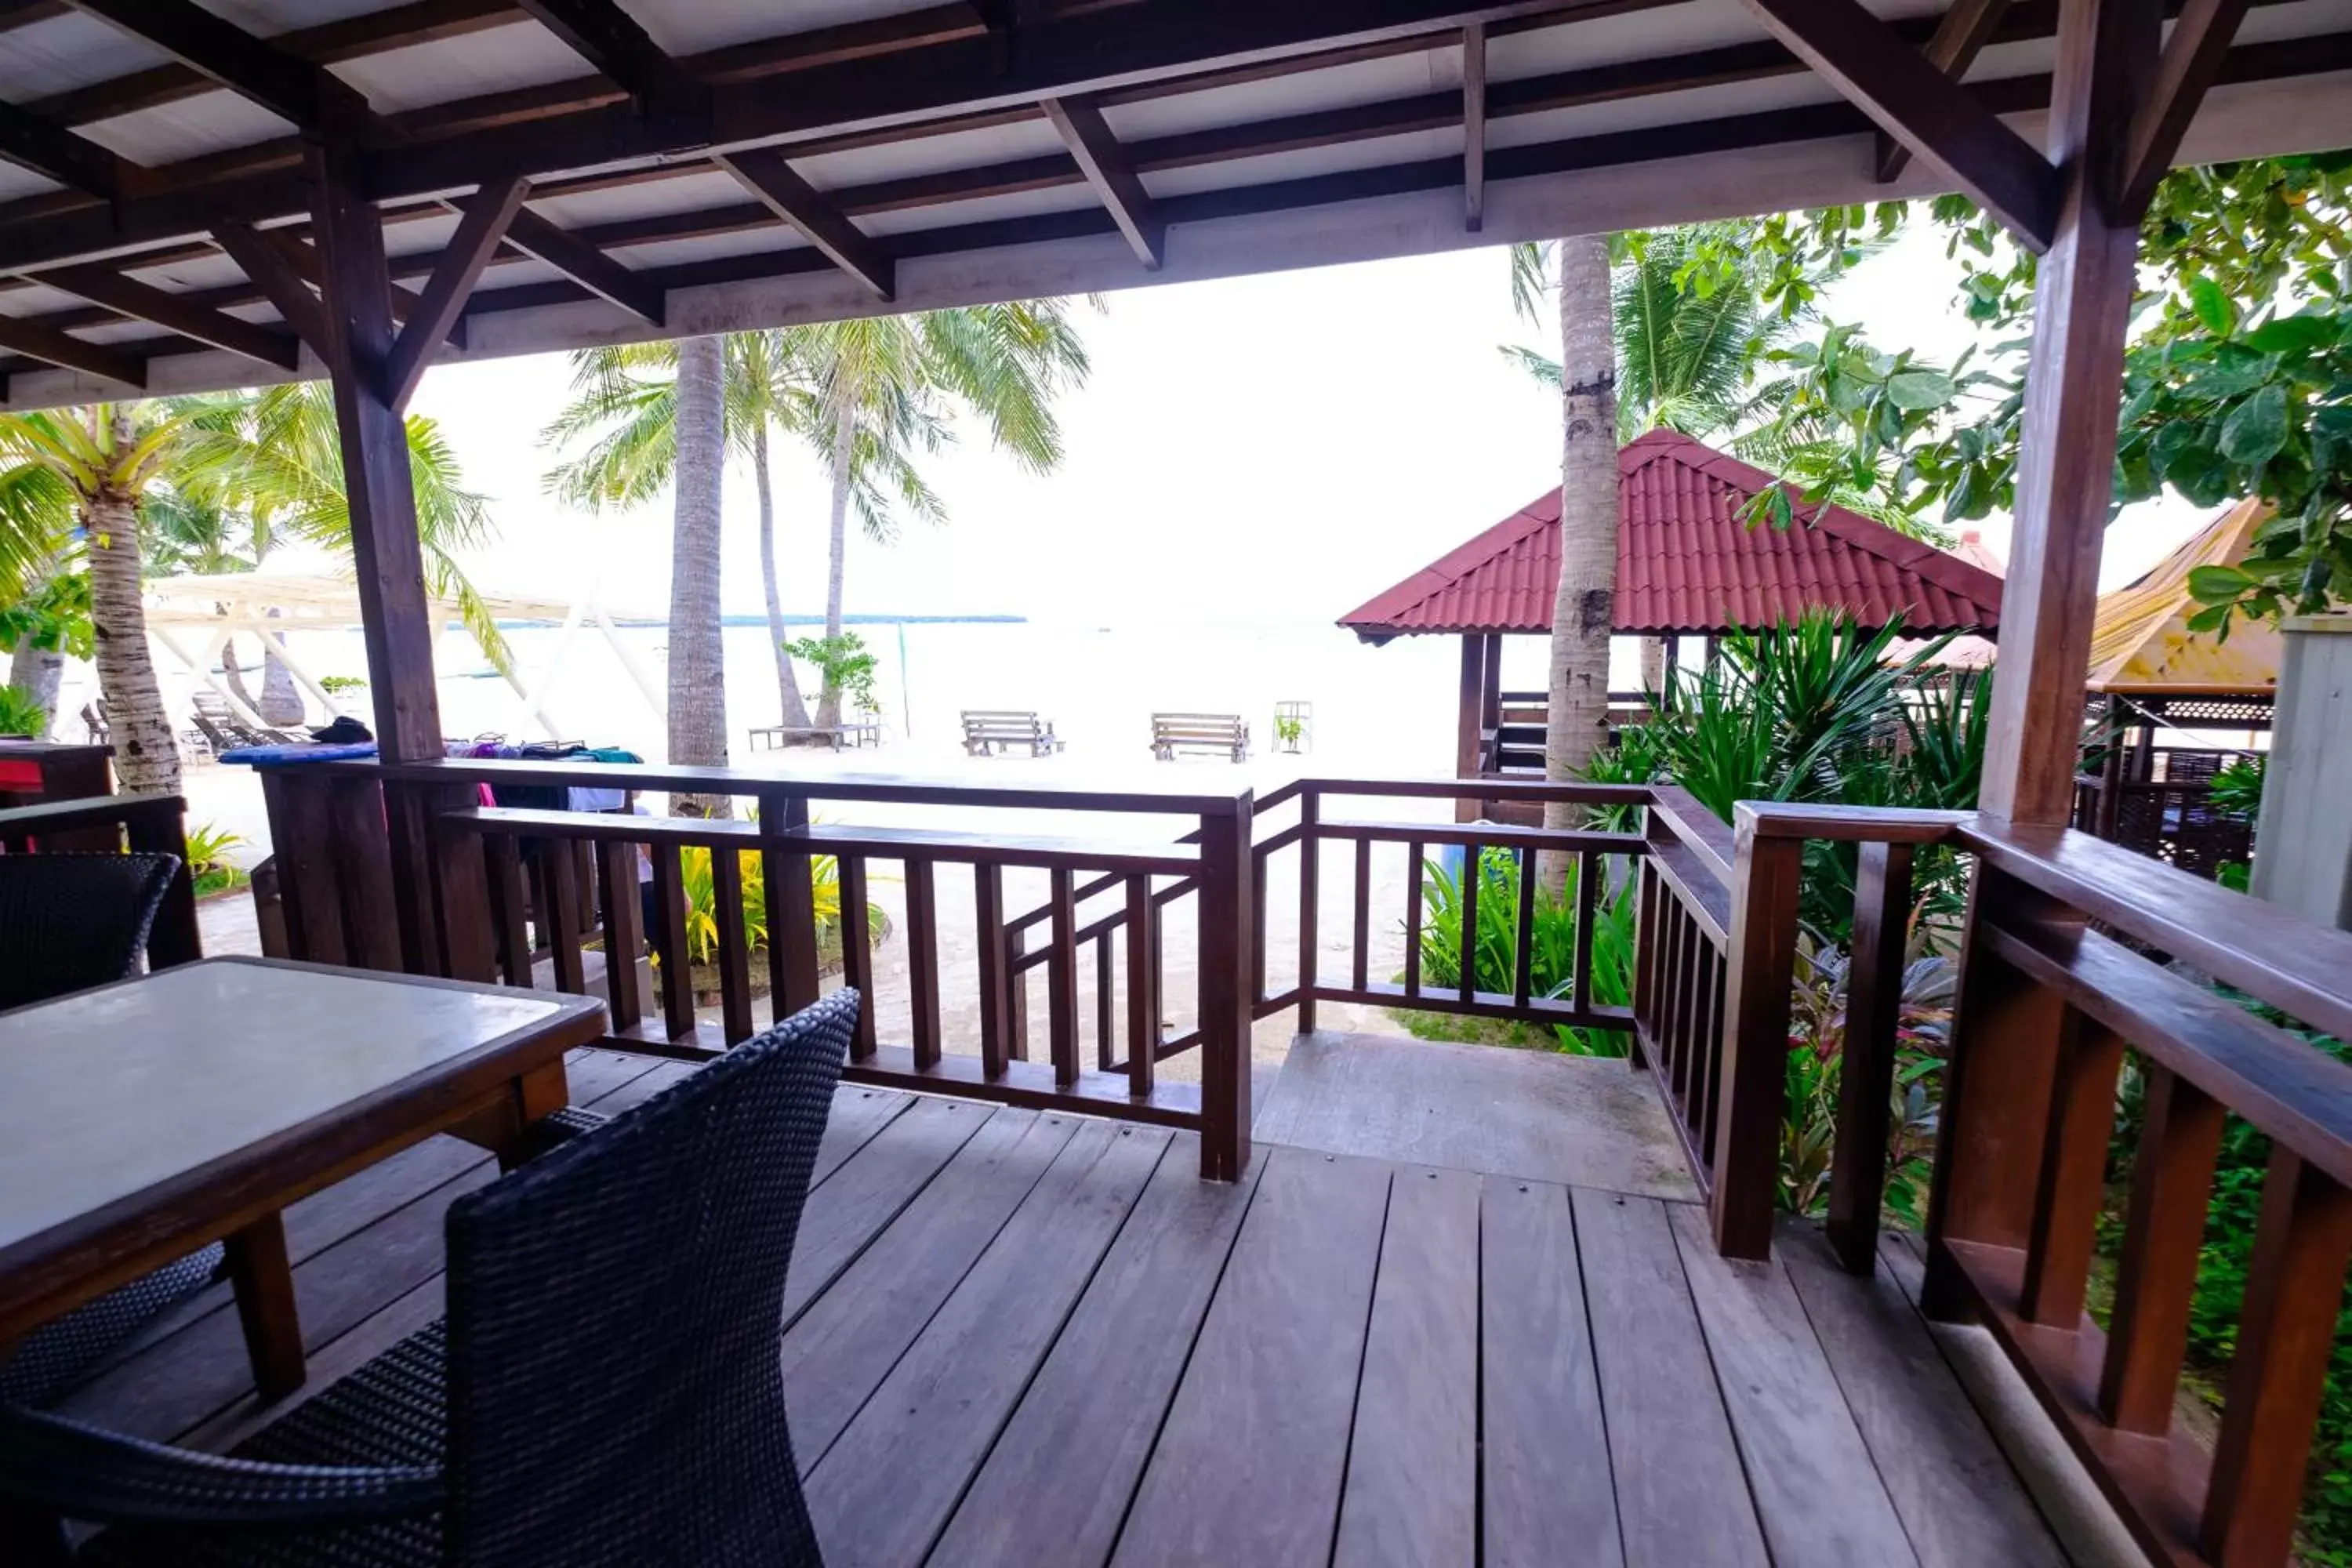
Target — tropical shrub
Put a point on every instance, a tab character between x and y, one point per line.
20	714
702	905
846	664
208	862
1551	950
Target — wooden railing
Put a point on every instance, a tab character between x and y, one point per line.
144	823
2064	978
522	894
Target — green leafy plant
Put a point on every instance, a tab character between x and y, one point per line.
208	862
702	906
336	685
2236	791
20	714
1551	949
54	619
846	664
1289	728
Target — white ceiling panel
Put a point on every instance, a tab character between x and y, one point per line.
1306	163
496	59
1658	110
777	239
987	209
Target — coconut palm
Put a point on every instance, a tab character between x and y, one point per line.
74	485
624	410
888	387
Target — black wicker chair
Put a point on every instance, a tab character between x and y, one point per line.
70	922
605	1389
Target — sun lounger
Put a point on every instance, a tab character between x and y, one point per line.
991	730
1217	733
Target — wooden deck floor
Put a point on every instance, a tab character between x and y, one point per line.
1019	1338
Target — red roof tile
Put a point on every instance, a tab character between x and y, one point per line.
1686	564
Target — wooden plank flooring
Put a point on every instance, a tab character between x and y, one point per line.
1019	1337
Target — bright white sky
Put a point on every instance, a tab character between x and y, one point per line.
1274	447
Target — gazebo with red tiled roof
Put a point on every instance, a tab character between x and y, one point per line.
1687	565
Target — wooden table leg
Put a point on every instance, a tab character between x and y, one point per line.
264	1281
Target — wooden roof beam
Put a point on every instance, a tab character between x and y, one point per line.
768	176
488	214
269	269
609	38
56	348
1111	172
2192	56
1869	63
587	266
246	65
47	148
329	43
1474	127
24	13
103	286
1961	36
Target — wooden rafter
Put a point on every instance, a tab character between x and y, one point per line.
273	272
47	148
1473	128
1111	172
487	212
330	43
1936	118
101	360
781	188
587	266
1959	38
247	66
2192	56
24	13
178	313
304	258
609	38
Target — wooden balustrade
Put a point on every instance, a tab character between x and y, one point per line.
551	898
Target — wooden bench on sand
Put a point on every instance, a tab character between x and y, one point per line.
1225	733
992	730
774	737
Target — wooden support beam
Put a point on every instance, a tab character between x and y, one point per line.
24	13
47	148
1111	172
1921	107
2081	307
609	38
486	214
304	259
54	347
1474	127
586	266
769	177
1959	38
397	621
246	65
272	271
2191	57
103	286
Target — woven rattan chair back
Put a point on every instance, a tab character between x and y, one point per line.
614	1309
70	922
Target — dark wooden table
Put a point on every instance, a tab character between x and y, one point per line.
142	1121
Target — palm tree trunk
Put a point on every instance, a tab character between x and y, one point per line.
234	673
1584	611
280	703
845	452
788	684
146	759
697	665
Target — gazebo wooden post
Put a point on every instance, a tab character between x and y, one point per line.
388	557
1466	735
2007	1035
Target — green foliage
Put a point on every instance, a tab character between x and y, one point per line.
21	715
702	904
336	685
846	664
208	863
2236	791
1552	952
53	617
1816	1064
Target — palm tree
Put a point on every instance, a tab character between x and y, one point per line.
624	406
76	483
888	388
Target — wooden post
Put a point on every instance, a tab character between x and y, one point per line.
1310	918
1226	942
2082	305
1466	739
1755	1041
1882	909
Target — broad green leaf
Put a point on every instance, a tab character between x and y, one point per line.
2217	585
2256	428
1919	389
2291	335
2212	306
